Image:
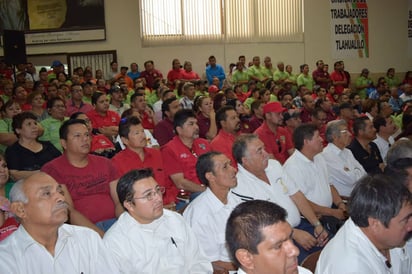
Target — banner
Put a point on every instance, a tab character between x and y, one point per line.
54	21
349	29
410	29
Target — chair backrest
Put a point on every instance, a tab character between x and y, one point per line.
310	261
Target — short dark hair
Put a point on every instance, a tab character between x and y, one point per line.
205	164
221	115
359	124
166	105
181	117
76	115
50	102
96	96
64	129
134	95
378	122
239	147
126	123
302	133
19	119
246	222
378	197
124	188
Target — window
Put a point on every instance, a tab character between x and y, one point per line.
233	21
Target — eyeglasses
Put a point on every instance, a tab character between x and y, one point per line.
344	131
159	190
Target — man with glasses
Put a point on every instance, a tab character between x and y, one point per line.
76	104
344	169
147	238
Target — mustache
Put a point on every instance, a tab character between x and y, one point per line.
61	205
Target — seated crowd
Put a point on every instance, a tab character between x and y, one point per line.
156	166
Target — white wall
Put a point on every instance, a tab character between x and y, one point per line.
387	27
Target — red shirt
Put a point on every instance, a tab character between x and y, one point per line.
147	121
151	77
110	119
277	145
204	125
223	142
89	186
100	141
305	116
189	75
127	160
163	131
338	76
178	158
172	76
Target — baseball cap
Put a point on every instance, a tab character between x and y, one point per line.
213	89
56	63
273	107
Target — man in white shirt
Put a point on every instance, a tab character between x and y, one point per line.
344	170
261	178
208	213
259	239
307	171
371	240
385	128
147	238
43	243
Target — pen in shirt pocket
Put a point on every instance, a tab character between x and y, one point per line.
173	241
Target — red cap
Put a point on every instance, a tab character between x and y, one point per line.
213	89
273	107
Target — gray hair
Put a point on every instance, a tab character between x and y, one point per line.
399	150
17	193
239	148
332	129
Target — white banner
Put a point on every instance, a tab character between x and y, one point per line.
349	28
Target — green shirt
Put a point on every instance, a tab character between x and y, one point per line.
305	80
258	73
392	82
240	76
51	128
362	81
5	127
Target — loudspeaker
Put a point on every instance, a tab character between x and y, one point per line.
14	47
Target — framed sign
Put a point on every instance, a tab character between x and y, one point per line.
54	21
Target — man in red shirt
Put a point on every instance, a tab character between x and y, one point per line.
276	139
150	74
180	154
163	131
320	76
229	127
137	155
138	103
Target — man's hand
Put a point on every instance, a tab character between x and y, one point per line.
304	239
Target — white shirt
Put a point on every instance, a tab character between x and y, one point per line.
301	270
383	145
77	250
207	216
344	170
310	177
250	187
167	245
157	109
351	251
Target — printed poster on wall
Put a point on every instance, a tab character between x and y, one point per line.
410	29
54	21
349	28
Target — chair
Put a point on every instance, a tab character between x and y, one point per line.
310	261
